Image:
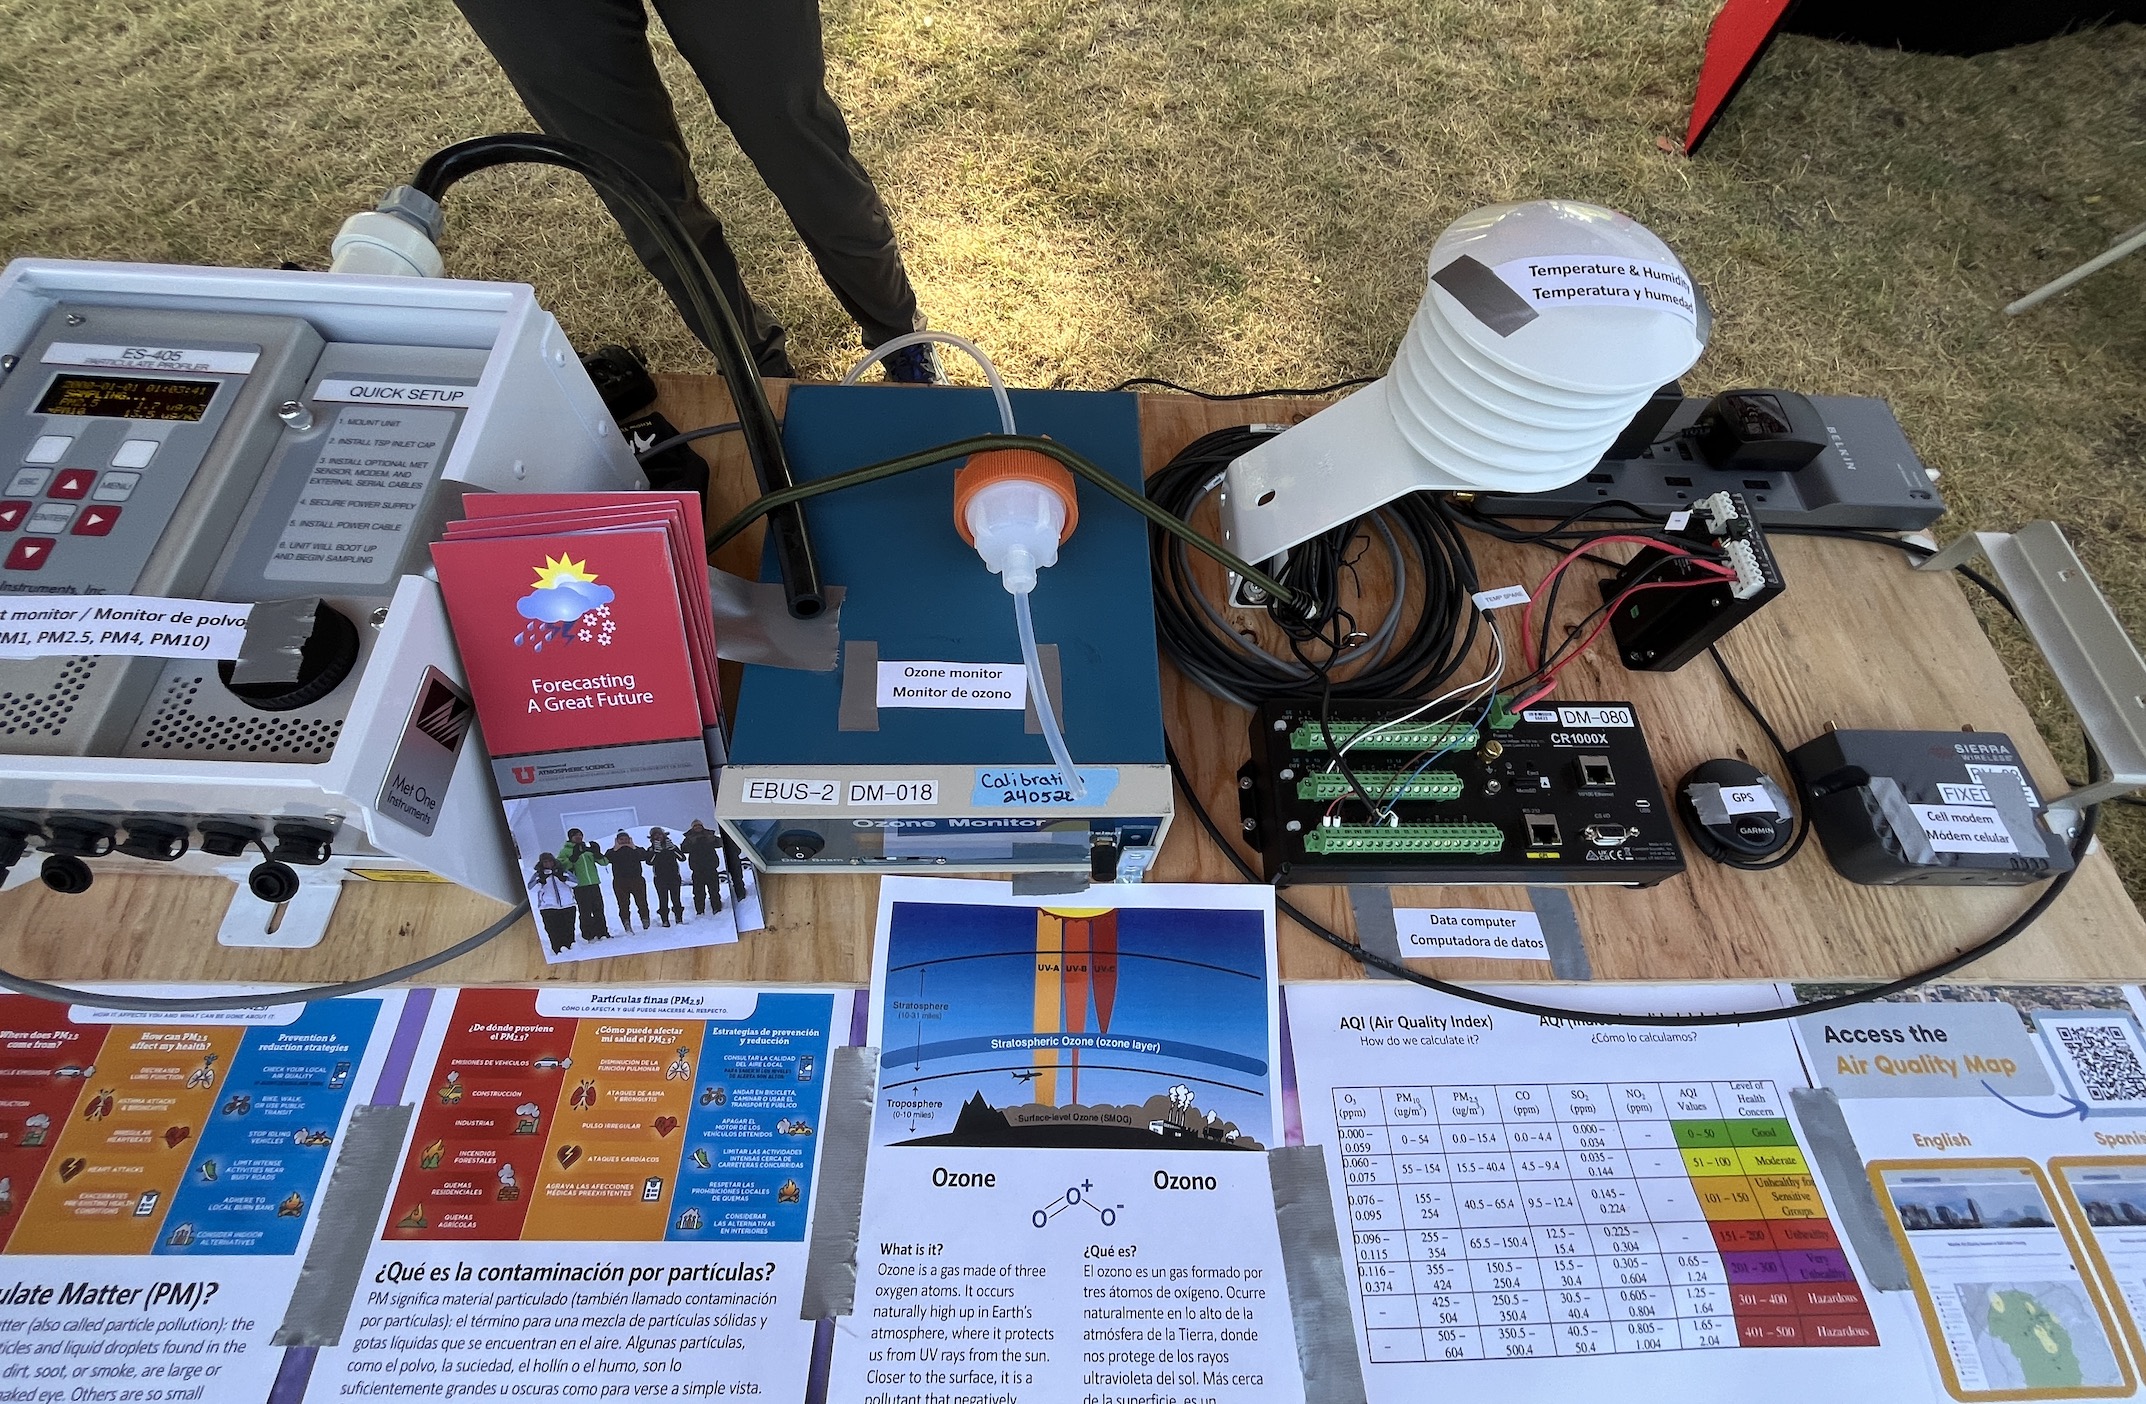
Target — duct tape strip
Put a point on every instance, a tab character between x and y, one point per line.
753	625
1485	295
1318	1288
1047	655
1375	930
364	1171
1561	933
831	1257
1047	884
859	708
1831	1150
273	650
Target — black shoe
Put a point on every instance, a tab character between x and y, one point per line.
915	365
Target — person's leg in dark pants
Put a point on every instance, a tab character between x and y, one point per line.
589	899
764	67
584	71
559	927
667	903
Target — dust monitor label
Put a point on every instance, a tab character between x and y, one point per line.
140	626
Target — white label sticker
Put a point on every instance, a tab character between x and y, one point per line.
1981	774
1746	799
149	358
1963	794
387	392
1500	598
773	791
1481	932
1679	520
138	626
1593	280
1538	714
891	792
360	498
1595	716
1964	828
973	687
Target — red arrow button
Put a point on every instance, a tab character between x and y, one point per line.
12	513
96	521
30	553
72	483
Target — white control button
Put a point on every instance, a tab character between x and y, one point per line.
28	482
116	487
50	518
135	453
48	448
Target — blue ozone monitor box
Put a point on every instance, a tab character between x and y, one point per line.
916	753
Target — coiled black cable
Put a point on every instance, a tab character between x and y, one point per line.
1333	654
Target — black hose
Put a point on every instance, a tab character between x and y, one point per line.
794	560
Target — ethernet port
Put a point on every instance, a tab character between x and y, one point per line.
1542	830
1595	772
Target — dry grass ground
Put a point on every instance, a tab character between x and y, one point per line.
1231	193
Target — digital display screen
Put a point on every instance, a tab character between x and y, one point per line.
125	397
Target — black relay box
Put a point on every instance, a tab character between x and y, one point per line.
1928	808
1559	794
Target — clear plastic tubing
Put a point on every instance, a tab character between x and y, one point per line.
1042	696
960	343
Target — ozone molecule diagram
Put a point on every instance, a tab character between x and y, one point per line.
1076	1195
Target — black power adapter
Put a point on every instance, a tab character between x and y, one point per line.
1660	630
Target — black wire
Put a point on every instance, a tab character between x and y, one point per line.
2026	918
1421	653
156	1004
624	189
689	436
2082	840
1299	394
1795	775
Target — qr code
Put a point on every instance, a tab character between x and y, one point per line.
2106	1062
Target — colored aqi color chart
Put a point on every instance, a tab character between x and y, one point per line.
1524	1219
538	1127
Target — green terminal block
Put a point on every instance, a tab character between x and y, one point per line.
1405	838
1430	785
1407	736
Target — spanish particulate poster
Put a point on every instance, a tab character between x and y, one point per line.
160	1181
604	1193
1067	1200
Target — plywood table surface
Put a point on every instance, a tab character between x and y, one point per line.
1858	639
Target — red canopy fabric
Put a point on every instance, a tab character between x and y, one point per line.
1739	35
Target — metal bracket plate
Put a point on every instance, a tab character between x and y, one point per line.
2094	660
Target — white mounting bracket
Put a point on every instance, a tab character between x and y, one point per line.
2094	660
296	925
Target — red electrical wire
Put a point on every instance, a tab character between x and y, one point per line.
1714	571
1542	587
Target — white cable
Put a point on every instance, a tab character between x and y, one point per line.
1491	678
959	343
1042	698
